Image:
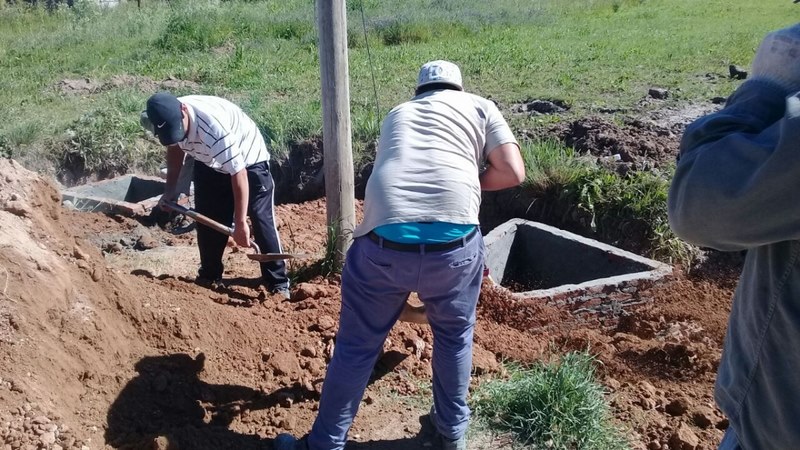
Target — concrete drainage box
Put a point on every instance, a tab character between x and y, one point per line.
127	194
592	280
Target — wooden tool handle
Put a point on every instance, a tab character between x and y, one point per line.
211	223
200	218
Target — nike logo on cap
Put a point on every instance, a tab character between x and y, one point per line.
162	125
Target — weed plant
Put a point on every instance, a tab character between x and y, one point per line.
555	405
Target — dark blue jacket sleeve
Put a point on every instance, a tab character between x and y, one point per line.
737	181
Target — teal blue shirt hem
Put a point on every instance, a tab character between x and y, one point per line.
423	232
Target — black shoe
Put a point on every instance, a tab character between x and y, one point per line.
214	284
286	441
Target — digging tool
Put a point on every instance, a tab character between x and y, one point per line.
256	256
413	313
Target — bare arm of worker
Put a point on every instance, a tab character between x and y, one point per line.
241	198
505	168
737	181
174	164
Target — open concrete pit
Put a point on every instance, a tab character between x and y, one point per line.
128	194
592	280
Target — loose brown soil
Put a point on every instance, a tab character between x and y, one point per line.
105	342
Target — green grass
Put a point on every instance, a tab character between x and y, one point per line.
550	165
557	405
263	55
614	206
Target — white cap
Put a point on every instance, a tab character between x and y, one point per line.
440	71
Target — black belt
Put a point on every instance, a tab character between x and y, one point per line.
419	248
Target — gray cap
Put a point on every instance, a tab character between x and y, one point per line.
440	71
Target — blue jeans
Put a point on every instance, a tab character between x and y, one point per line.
730	441
375	285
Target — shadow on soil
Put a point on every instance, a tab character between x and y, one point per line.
168	407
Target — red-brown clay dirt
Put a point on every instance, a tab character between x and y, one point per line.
105	342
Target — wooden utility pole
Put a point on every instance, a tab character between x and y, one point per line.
336	131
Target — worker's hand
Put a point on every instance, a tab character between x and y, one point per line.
777	59
168	196
241	233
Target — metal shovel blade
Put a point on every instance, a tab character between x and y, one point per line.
257	256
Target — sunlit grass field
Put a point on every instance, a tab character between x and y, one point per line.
263	55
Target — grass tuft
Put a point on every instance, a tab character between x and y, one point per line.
102	142
195	29
557	405
550	165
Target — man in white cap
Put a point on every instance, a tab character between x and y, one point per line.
419	234
736	188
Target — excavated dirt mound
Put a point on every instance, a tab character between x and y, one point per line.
637	145
645	142
105	342
85	86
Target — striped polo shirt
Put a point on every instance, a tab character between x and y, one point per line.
221	135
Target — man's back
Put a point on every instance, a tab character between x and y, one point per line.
429	155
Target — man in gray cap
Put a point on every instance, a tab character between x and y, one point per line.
231	177
419	234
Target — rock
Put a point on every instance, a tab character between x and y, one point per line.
654	445
97	274
703	416
544	107
678	407
146	242
647	403
613	384
535	107
114	247
659	421
309	351
288	424
659	93
48	439
284	364
79	254
648	390
306	291
286	400
736	72
17	207
683	439
326	323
